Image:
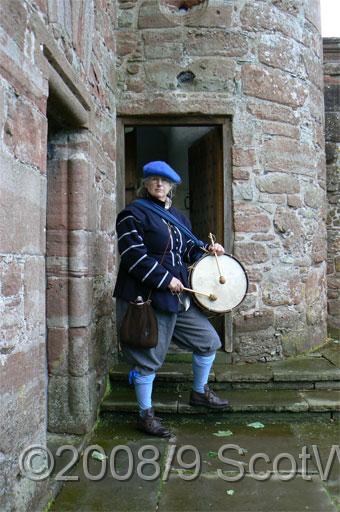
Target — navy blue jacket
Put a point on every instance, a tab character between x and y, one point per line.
152	252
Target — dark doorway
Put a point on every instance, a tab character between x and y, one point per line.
197	152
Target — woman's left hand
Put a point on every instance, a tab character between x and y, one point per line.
217	249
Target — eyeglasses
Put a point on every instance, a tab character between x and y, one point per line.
156	179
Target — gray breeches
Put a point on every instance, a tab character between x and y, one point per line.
190	330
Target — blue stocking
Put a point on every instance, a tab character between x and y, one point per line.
143	389
201	366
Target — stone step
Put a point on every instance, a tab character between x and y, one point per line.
122	399
305	372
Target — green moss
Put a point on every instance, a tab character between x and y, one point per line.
49	505
334	332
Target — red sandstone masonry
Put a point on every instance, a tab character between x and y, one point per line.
272	84
23	96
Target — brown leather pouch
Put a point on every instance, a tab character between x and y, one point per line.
139	326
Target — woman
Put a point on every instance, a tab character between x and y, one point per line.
154	254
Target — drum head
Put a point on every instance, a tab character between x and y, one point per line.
205	277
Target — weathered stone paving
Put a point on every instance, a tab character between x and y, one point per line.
209	491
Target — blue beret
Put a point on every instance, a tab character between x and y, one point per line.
160	168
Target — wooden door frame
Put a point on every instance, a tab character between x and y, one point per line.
225	123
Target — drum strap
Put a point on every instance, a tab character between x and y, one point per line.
170	218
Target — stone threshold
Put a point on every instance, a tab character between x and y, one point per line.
278	401
299	373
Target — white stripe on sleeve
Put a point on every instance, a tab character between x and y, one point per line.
128	217
129	233
140	259
160	283
146	275
131	247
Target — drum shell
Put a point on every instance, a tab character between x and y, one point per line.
204	276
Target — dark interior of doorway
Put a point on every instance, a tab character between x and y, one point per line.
196	153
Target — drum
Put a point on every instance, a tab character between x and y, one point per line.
207	276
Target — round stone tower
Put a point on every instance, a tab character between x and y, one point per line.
259	66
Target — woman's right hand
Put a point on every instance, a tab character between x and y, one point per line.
175	285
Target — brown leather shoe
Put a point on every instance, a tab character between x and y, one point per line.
208	399
150	424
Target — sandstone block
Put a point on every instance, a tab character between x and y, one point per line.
57	193
216	15
57	350
262	347
31	424
103	350
213	74
82	203
278	184
251	253
80	301
294	201
272	112
23	368
162	44
107	215
288	225
34	293
313	14
57	307
56	244
282	154
319	245
127	42
215	42
80	351
23	196
314	284
260	16
243	191
314	196
258	321
270	200
162	73
244	157
72	403
280	289
273	84
13	20
28	83
26	134
102	254
283	129
249	218
81	253
288	318
279	52
11	279
313	67
150	16
240	174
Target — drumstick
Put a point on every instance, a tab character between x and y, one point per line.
222	279
211	296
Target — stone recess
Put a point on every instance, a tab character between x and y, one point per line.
57	190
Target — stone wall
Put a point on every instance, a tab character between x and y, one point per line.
331	51
56	93
259	64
